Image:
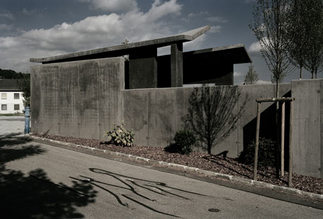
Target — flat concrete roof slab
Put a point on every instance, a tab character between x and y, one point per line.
237	54
125	48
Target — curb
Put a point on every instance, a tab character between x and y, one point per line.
261	188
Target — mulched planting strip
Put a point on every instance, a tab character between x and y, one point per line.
203	161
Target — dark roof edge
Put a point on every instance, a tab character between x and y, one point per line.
9	85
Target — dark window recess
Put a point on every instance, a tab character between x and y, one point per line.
16	107
16	96
3	106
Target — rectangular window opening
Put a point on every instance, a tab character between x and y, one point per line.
4	107
16	96
3	96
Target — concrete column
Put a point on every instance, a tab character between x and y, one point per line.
177	65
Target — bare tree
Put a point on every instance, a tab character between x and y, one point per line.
251	76
269	27
211	113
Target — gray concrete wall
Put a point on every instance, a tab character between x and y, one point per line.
80	99
308	127
86	98
156	114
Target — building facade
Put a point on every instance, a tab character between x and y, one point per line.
11	98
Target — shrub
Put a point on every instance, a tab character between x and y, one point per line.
183	141
266	154
120	136
211	115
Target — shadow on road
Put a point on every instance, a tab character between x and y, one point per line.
34	195
12	147
134	185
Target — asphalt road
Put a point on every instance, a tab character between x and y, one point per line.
12	124
42	181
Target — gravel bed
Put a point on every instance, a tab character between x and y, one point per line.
204	161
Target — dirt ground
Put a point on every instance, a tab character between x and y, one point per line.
204	161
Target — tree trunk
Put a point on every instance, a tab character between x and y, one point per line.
300	72
277	90
209	146
282	140
277	154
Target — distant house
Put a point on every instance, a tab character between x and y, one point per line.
11	99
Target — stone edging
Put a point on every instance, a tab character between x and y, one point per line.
233	179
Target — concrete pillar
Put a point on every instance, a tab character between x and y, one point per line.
177	65
143	68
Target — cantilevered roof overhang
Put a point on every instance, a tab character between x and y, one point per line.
124	49
236	54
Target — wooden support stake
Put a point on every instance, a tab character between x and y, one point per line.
290	171
282	143
257	143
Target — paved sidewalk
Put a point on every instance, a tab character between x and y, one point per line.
12	124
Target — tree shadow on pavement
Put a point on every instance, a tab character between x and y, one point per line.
13	147
128	189
34	195
13	139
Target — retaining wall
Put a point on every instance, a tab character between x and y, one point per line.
80	99
86	98
308	127
156	114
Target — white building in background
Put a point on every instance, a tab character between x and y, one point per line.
11	99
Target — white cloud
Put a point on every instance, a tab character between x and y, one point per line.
159	9
254	47
28	12
205	16
113	5
89	33
197	43
215	29
216	19
7	15
5	27
201	13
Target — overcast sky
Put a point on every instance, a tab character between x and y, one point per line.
41	28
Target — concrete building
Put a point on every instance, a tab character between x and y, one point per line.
11	99
144	69
84	94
